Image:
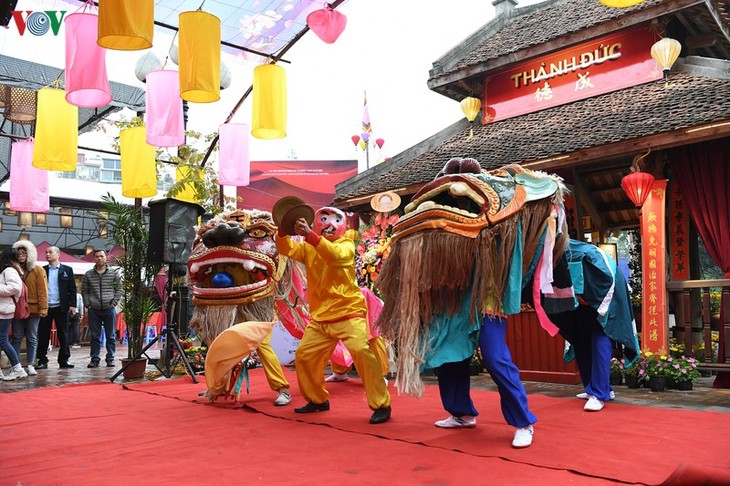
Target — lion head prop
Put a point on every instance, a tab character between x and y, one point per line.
462	233
235	274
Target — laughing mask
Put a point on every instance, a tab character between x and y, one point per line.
330	223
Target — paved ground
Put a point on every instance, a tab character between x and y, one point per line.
702	397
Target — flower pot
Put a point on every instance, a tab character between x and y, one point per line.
632	381
670	383
616	378
684	385
135	370
657	383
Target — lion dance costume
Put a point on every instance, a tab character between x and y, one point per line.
235	274
460	255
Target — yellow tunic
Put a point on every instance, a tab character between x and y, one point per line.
338	312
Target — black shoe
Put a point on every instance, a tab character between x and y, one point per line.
314	407
65	366
42	366
380	415
110	364
93	364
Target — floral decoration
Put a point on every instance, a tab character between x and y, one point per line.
373	248
617	365
682	369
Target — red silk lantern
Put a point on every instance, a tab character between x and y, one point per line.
355	139
87	84
637	186
380	142
234	161
327	24
164	118
28	185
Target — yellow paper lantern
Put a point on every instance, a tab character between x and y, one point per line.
188	192
269	102
665	52
620	3
470	107
139	174
56	132
200	57
126	25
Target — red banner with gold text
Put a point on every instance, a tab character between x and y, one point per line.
654	288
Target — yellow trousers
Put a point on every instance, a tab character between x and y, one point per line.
271	365
316	347
377	346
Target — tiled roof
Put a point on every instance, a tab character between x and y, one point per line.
631	113
531	26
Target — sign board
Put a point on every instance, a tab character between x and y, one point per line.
595	67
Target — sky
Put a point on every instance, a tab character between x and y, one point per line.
386	50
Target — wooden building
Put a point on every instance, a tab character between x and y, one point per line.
570	87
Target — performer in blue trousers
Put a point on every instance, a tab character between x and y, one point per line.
454	385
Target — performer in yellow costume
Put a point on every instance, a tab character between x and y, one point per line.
338	312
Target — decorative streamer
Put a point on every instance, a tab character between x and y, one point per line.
269	102
126	25
87	84
200	57
56	132
234	161
164	117
139	174
28	185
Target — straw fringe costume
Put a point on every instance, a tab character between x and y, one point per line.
338	312
458	264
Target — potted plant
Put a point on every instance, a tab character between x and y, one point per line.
682	371
635	373
617	371
656	368
128	229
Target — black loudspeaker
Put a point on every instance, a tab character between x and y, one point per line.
172	230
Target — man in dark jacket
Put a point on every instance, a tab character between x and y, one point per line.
101	290
61	304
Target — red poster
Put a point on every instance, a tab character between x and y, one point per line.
679	230
310	180
654	289
602	65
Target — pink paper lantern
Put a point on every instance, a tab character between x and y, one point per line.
164	117
234	161
87	84
328	24
28	185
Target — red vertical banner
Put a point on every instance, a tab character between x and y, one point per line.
679	233
653	260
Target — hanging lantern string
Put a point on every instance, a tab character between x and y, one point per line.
88	3
276	58
172	44
200	9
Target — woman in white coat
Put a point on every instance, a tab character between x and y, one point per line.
10	288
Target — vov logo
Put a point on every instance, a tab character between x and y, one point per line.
38	23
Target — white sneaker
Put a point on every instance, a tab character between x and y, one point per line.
282	399
15	374
31	371
76	346
584	396
465	422
523	437
336	377
593	405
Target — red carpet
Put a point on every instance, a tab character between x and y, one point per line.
162	433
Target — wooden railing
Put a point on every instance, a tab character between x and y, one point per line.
687	315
